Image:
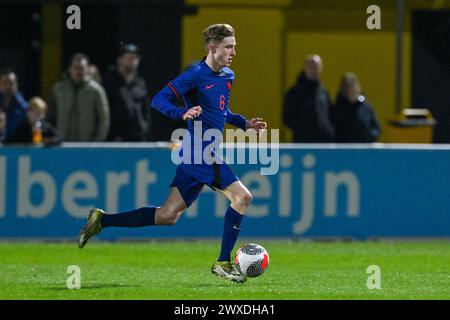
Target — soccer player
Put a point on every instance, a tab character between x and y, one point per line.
205	88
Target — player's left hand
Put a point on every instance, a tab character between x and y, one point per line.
257	124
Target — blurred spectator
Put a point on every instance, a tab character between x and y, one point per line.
353	116
12	102
35	128
78	106
94	73
127	95
2	125
307	105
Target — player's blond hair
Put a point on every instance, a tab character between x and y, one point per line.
216	33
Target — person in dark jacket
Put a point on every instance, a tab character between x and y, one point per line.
127	95
307	105
12	102
34	128
353	116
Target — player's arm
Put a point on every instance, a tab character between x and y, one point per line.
163	100
236	120
240	121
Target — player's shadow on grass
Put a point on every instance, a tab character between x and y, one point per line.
94	286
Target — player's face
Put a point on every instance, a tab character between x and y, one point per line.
225	51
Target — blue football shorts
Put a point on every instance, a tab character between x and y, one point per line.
190	179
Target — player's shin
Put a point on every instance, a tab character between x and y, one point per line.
231	228
135	218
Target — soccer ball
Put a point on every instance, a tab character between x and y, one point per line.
252	260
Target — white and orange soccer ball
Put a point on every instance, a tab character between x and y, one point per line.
252	260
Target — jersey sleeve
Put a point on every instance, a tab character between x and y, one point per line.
185	82
236	120
163	100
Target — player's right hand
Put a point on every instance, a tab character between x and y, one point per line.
192	113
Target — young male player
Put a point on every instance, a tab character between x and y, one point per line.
205	88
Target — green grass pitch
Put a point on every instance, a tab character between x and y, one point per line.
181	270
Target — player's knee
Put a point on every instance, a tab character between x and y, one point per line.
244	200
171	220
248	198
168	220
168	217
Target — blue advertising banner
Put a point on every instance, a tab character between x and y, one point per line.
360	192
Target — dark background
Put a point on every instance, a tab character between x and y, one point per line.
431	67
